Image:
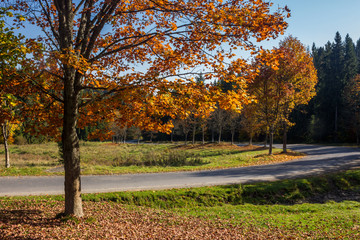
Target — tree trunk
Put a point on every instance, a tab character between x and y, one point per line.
266	139
193	134
71	97
232	138
124	137
186	138
6	146
70	142
271	142
336	124
285	138
212	134
251	138
71	152
203	135
219	139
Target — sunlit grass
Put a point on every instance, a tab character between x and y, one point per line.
109	158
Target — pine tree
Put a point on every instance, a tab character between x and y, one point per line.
350	72
350	60
357	51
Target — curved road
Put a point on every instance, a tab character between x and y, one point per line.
320	159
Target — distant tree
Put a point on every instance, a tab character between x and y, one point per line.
336	82
287	79
297	74
357	51
251	121
336	64
352	97
233	120
12	54
219	118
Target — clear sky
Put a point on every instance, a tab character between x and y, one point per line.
318	20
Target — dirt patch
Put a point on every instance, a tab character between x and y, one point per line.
56	169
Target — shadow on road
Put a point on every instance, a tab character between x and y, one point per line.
298	168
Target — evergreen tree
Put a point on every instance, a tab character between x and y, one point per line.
320	125
329	103
357	51
350	60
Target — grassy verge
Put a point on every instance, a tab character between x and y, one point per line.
108	158
322	207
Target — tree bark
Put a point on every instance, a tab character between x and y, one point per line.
271	133
6	146
71	152
220	130
266	139
212	134
193	134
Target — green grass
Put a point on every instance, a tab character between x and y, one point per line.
107	158
283	204
330	219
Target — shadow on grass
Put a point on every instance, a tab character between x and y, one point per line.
219	149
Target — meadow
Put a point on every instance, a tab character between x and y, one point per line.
109	158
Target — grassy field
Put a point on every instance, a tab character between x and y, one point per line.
108	158
322	207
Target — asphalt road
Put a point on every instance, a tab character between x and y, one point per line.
320	159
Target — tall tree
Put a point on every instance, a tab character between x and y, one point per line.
97	45
297	75
337	82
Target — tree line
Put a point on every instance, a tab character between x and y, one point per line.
333	114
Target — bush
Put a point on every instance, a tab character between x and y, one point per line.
164	159
20	140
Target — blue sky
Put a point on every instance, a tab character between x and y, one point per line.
312	20
318	20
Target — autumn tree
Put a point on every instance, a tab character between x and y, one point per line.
285	80
12	52
251	121
297	74
95	47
